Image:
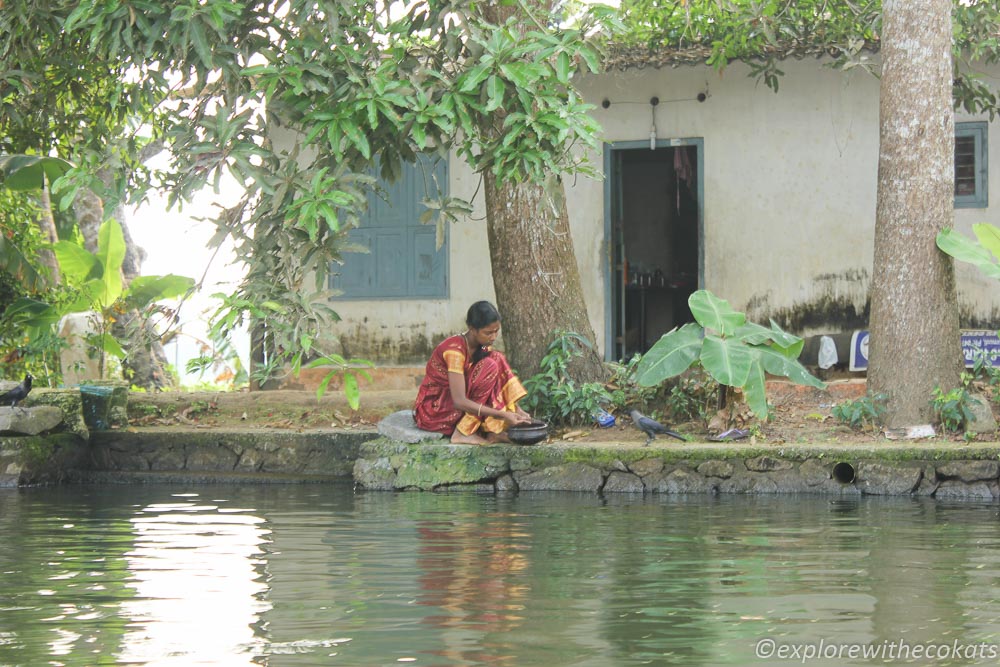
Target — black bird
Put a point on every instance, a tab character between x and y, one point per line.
18	393
651	427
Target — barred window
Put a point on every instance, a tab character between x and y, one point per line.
971	165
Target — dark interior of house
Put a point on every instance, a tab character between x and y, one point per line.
656	239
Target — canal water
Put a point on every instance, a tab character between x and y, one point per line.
320	575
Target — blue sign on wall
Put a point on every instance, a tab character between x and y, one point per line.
859	351
974	345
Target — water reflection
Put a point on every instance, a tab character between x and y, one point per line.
471	571
197	591
305	575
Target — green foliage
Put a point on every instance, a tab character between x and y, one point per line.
983	252
952	408
694	396
625	390
289	341
690	395
30	172
29	306
553	395
984	371
222	360
734	352
863	413
348	370
761	34
351	87
97	279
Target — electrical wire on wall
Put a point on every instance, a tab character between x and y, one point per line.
654	102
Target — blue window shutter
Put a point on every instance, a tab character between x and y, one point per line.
390	267
429	264
404	260
971	165
361	276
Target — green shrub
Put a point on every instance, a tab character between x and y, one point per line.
952	408
553	395
864	413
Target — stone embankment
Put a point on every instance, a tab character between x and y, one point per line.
941	470
93	443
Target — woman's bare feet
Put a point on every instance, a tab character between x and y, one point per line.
459	438
497	437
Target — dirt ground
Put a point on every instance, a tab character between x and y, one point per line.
800	414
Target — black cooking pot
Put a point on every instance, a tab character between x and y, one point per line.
528	434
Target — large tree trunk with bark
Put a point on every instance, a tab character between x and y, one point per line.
535	275
536	278
915	342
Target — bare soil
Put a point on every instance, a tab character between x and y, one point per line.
800	414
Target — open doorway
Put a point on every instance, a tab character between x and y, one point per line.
655	239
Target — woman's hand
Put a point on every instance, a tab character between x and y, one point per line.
523	413
515	418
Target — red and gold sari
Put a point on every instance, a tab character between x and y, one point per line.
490	382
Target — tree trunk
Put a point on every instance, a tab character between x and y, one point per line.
535	274
47	223
915	344
536	278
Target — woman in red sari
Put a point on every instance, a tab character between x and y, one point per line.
468	387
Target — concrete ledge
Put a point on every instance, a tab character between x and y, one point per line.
330	453
180	477
944	470
38	459
948	470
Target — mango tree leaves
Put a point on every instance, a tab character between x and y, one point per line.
343	85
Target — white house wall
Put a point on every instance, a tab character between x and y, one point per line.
789	206
789	185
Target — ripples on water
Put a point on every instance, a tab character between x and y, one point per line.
318	575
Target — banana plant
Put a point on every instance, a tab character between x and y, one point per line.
981	253
98	278
736	353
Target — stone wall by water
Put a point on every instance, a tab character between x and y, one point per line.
90	442
318	453
941	470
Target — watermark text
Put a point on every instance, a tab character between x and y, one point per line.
899	649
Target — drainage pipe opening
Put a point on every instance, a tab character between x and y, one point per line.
843	472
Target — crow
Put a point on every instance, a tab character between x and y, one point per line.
651	427
18	393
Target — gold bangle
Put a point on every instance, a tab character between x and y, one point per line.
479	412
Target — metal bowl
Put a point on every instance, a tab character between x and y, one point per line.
528	434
